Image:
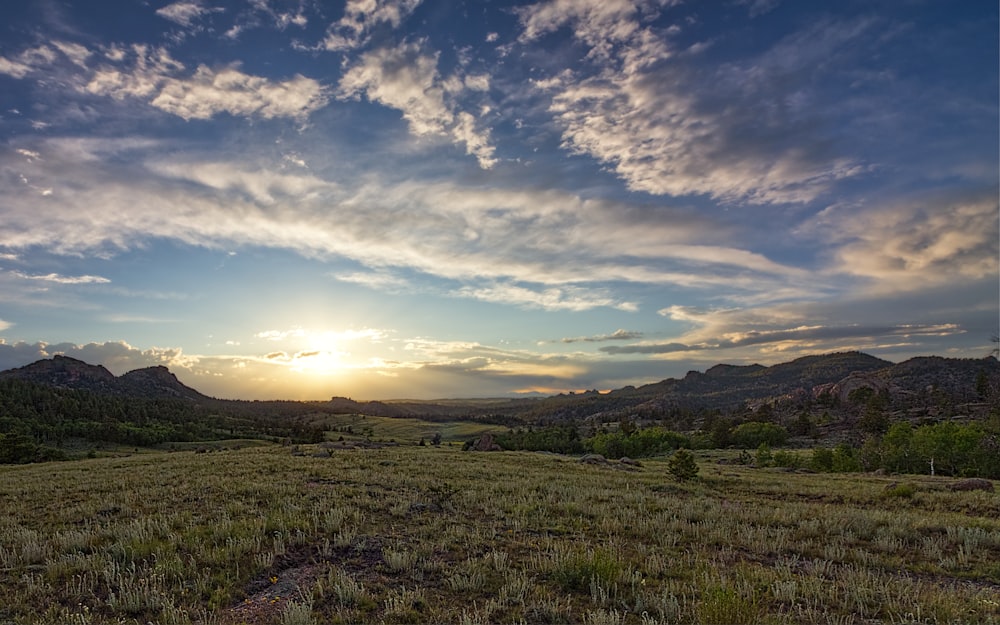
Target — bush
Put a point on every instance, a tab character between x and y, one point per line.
638	444
753	434
786	459
822	460
682	465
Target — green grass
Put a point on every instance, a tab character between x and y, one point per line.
404	430
422	534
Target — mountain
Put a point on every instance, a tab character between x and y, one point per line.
70	373
914	385
911	385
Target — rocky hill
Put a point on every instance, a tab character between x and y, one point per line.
833	377
70	373
915	383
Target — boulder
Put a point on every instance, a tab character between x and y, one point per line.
486	443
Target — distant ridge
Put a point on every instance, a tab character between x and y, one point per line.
720	387
65	372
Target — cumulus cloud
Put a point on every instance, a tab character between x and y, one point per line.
361	17
406	78
650	114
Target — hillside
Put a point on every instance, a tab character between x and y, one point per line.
70	373
49	404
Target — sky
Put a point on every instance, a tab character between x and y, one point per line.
299	199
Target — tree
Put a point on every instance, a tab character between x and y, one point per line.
751	434
682	465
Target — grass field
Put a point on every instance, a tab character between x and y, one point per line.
404	429
424	534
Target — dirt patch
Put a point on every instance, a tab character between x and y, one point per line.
291	578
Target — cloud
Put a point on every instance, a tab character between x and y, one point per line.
531	248
61	279
406	78
152	75
914	244
117	356
777	329
562	298
378	280
228	90
776	332
184	13
27	61
14	68
361	17
668	125
617	335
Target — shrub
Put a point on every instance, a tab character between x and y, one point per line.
764	456
752	434
903	491
575	571
682	465
786	459
822	460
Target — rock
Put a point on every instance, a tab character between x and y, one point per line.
486	443
973	483
630	462
593	459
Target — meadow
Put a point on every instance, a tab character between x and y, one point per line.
415	534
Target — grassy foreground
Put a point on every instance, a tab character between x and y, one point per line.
424	534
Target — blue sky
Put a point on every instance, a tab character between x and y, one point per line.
418	199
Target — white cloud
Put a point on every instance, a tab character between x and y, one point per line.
547	244
153	76
61	279
916	244
361	17
75	52
645	111
27	61
407	79
29	155
14	68
183	13
554	298
117	356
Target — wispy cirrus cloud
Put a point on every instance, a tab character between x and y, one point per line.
61	279
617	335
544	249
553	298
